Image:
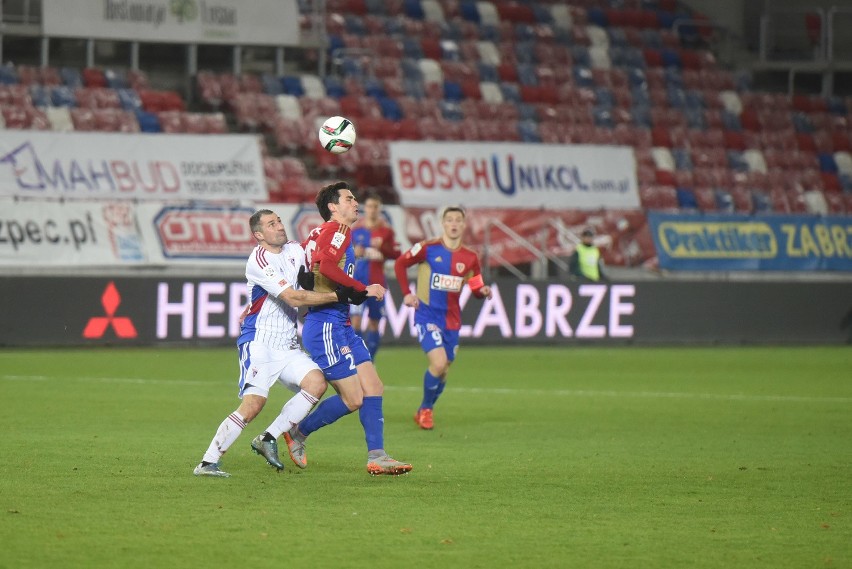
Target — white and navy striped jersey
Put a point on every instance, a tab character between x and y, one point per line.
271	320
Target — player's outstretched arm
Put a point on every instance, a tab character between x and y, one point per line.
299	298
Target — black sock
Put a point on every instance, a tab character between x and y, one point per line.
205	463
268	437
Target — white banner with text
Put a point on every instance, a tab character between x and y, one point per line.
258	22
478	174
130	166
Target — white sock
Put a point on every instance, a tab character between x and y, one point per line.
292	413
226	434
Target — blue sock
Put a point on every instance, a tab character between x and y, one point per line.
440	390
373	422
431	385
326	413
372	339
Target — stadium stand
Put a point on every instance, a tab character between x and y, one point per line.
586	71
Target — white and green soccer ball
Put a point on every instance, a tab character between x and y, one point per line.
337	135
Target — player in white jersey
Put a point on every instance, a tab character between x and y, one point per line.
268	343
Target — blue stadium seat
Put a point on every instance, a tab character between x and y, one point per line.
63	96
487	72
374	87
413	88
411	69
527	74
827	163
682	158
603	117
333	87
129	99
450	30
527	112
8	75
116	79
671	58
760	202
40	96
450	110
802	123
583	77
355	25
453	91
617	37
525	52
604	97
413	9
640	97
636	78
335	42
686	198
542	14
597	17
148	122
390	109
731	121
469	11
695	119
695	100
635	58
836	105
737	161
411	48
724	201
528	131
292	85
489	32
524	33
511	93
642	116
580	55
651	38
271	84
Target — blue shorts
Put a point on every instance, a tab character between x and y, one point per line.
432	336
373	308
335	348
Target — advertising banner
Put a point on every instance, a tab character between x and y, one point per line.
767	243
478	174
258	22
193	311
79	233
72	165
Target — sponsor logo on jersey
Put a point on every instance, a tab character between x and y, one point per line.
459	267
269	271
337	240
448	283
345	350
415	249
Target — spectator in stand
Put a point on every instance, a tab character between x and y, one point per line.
586	263
374	243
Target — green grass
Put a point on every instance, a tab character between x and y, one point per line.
541	457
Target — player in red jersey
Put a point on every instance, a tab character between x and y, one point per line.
331	341
444	266
375	242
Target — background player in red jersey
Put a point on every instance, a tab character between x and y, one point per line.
444	266
375	242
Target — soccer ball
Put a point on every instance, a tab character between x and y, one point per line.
337	135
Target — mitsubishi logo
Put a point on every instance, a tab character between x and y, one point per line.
97	325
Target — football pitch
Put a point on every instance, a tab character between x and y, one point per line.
587	457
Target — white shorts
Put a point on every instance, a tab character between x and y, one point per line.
261	367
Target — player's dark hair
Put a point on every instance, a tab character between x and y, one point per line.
254	220
327	195
452	208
